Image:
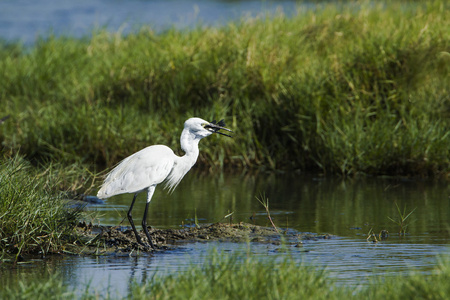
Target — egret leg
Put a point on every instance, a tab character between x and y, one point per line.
130	219
151	190
144	226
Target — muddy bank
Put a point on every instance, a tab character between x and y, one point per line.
101	239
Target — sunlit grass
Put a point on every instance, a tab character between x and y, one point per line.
228	276
342	89
47	287
34	218
232	276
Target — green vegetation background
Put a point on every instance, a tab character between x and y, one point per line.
344	89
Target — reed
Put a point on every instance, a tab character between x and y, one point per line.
265	203
341	89
401	220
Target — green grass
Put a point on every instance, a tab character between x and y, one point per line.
338	90
46	287
34	218
230	276
234	277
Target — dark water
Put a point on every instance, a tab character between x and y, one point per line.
25	20
348	209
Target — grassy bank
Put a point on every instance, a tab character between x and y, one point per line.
340	90
233	277
34	218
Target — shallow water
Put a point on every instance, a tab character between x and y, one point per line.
25	21
345	208
352	262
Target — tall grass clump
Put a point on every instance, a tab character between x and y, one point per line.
44	287
232	277
34	218
342	89
414	285
236	277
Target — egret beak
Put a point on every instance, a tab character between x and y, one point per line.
214	127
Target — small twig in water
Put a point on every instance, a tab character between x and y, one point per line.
230	215
372	236
265	202
195	218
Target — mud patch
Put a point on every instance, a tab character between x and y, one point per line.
101	239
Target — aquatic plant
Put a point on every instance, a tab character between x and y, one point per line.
265	203
401	220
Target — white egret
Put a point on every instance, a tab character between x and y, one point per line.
145	169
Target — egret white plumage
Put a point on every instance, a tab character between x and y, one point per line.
153	165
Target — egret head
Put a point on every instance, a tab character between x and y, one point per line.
202	128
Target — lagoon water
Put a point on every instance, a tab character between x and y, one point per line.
348	209
25	20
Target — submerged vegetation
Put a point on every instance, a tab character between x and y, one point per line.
239	277
337	90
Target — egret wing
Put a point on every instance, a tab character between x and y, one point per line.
150	166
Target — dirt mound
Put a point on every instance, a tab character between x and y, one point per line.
114	239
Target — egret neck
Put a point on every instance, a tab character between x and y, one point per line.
189	144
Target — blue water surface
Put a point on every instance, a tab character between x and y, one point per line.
26	20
